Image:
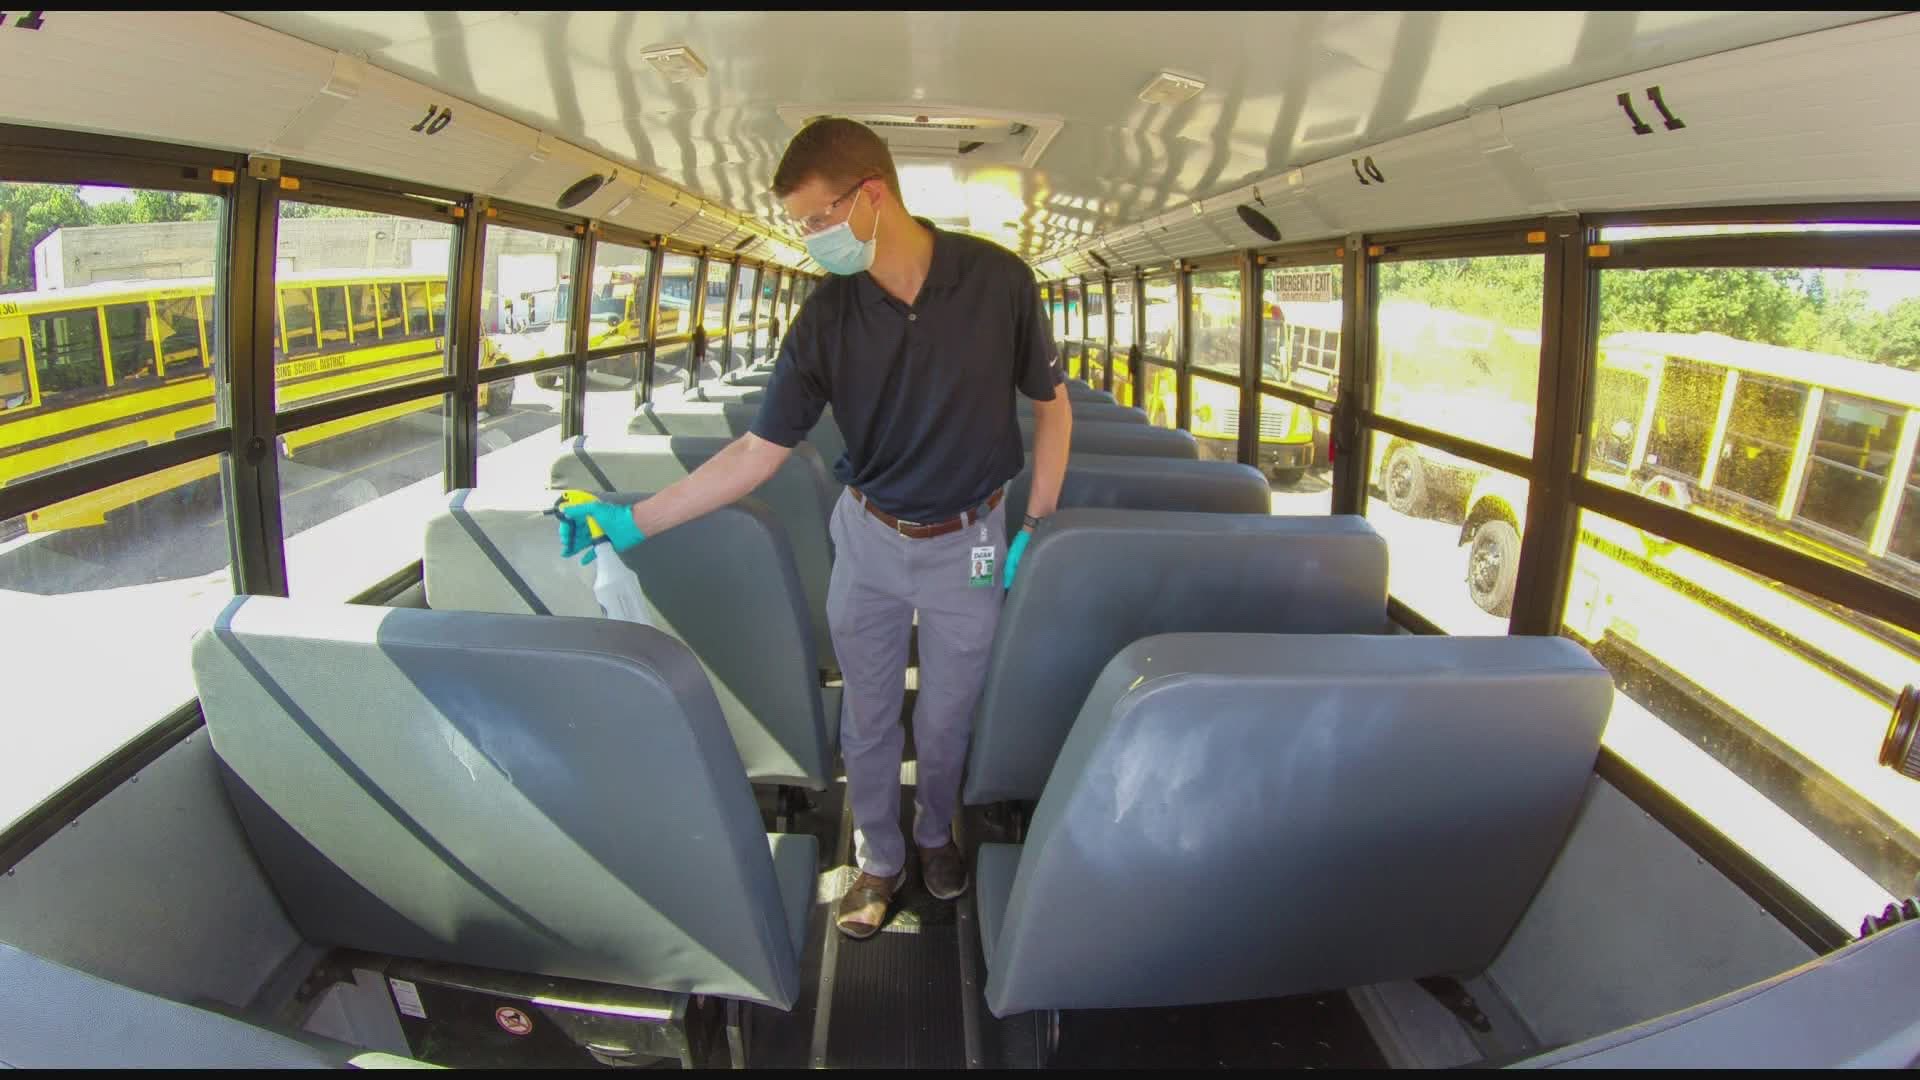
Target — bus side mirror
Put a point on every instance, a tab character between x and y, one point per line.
1622	431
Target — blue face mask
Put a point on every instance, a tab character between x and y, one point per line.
838	251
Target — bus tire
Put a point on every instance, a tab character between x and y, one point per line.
499	397
547	380
1288	477
1493	565
1405	482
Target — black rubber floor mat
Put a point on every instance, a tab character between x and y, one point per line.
896	995
896	1000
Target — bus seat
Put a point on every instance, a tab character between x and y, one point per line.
550	796
1093	412
731	418
1132	440
725	584
1093	581
1241	816
1837	1011
1079	390
800	494
720	390
714	418
53	1017
1134	483
748	377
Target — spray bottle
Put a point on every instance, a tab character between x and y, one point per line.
615	585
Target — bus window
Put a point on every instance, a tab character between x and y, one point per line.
1122	340
1853	448
1761	433
1684	417
66	351
130	342
1215	304
365	317
716	296
1619	397
296	320
437	303
418	324
332	301
393	311
178	323
676	297
14	391
1906	530
743	297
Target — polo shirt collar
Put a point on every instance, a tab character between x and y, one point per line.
942	273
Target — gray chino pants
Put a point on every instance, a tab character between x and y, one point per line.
880	578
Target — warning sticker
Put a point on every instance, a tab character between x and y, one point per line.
512	1020
407	997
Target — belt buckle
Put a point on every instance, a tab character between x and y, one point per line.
901	525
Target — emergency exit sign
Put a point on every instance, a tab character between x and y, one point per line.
1285	286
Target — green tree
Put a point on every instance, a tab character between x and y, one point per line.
1508	289
1899	342
1752	305
37	210
155	206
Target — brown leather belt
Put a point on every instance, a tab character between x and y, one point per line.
914	530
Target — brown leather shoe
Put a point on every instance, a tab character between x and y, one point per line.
863	910
944	871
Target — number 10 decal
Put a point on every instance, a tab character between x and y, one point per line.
435	121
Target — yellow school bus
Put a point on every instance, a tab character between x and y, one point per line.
96	370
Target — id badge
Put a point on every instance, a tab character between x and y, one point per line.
981	573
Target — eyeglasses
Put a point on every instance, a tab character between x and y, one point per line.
822	219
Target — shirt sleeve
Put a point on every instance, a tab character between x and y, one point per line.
1036	368
796	392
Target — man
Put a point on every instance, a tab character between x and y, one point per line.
919	343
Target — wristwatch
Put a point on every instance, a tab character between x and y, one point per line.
1031	522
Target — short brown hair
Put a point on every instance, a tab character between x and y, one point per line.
840	151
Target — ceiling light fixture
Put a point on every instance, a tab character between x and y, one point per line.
1167	88
676	62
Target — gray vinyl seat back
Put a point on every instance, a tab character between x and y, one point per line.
1092	412
53	1017
1146	483
1833	1012
1240	816
721	390
725	584
1094	581
1133	440
554	796
1079	390
800	493
730	418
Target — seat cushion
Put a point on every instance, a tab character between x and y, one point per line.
993	868
53	1017
796	869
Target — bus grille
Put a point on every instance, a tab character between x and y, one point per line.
1273	425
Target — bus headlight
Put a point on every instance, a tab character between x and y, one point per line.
1203	413
1897	749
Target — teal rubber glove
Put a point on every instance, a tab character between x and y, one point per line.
1014	551
614	523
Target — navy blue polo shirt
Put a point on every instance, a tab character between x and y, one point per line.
922	394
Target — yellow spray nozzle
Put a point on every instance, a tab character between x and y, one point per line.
574	497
